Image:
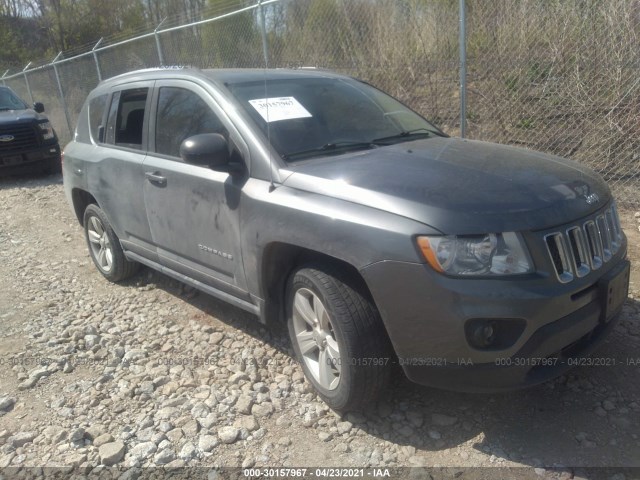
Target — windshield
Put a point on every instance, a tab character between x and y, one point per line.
10	101
319	116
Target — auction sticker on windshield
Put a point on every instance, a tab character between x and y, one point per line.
279	108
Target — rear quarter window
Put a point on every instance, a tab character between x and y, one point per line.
96	115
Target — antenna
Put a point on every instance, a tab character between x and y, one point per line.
265	52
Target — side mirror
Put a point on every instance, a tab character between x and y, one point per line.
38	107
206	149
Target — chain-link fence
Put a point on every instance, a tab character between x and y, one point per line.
560	76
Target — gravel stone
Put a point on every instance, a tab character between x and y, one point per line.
191	428
188	452
262	410
239	377
248	423
165	427
206	443
601	412
103	439
200	410
344	427
94	432
167	413
28	383
143	450
175	435
443	420
228	434
111	453
6	403
164	457
208	421
77	435
21	438
415	418
244	404
404	430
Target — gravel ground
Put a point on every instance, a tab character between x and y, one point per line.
150	373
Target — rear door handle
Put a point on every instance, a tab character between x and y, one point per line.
156	178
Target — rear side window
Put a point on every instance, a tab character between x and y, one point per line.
126	118
182	114
96	115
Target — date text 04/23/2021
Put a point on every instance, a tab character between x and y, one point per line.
255	473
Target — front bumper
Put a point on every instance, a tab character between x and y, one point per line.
44	156
425	315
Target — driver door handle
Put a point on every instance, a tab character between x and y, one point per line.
156	178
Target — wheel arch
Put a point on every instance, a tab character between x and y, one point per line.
280	260
81	200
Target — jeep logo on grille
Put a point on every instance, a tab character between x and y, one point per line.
592	198
6	138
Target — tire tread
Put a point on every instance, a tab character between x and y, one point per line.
122	268
359	319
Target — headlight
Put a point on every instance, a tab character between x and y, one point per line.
489	254
47	131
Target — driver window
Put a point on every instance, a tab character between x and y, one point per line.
181	114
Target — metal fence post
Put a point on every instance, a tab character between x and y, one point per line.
95	58
463	69
158	44
263	31
26	80
4	75
61	93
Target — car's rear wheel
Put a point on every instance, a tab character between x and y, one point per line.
104	246
338	337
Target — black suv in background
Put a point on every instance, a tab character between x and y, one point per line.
27	139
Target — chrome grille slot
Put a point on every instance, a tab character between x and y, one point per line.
579	251
595	244
605	236
560	256
611	227
585	247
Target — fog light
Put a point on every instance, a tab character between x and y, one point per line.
493	333
483	335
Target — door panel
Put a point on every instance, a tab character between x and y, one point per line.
193	211
119	170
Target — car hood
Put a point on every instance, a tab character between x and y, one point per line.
19	116
458	186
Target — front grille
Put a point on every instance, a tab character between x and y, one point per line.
24	138
583	248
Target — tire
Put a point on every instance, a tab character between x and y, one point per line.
104	246
347	354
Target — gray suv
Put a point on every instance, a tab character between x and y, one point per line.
315	199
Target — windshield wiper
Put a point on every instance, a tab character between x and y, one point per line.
404	136
330	147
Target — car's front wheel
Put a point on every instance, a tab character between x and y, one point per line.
104	246
338	337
